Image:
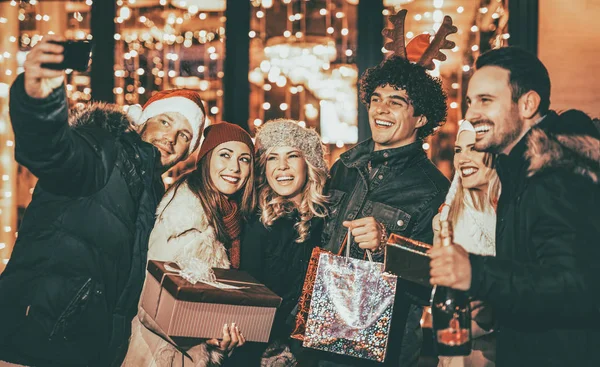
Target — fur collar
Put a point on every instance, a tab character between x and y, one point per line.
182	231
109	117
577	153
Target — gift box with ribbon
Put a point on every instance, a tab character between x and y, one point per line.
187	312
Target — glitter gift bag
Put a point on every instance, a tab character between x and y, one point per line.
307	290
351	307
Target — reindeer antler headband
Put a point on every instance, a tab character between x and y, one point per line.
412	51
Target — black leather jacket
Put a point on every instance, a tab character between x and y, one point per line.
403	191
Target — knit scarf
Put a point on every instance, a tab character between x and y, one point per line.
233	227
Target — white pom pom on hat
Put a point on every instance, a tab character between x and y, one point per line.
134	112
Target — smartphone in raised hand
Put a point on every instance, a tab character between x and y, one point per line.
76	55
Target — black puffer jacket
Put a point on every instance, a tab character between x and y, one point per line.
543	282
71	287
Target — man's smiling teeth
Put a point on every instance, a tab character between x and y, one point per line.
483	128
383	123
230	179
468	171
284	178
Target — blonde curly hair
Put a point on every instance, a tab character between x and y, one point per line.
274	206
283	132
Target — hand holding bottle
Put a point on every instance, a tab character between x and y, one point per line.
450	310
450	267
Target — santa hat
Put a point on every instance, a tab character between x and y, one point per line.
184	101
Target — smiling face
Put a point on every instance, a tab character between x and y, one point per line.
286	172
492	111
469	164
391	118
171	133
230	166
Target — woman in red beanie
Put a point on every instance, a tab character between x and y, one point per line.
198	225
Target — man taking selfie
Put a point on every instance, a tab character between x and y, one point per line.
71	287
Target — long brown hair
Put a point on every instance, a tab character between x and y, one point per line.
201	185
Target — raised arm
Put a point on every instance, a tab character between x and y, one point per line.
66	162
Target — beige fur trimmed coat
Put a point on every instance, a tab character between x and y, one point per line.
181	230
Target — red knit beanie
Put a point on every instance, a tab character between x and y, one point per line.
221	133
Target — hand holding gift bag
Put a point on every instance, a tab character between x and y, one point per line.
351	307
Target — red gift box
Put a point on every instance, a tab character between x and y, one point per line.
186	311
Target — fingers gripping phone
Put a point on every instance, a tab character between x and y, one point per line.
76	55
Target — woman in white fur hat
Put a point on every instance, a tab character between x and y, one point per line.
278	243
471	208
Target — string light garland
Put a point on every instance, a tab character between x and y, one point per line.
308	65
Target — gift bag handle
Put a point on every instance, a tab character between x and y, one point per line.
348	241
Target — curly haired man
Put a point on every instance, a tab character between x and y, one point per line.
387	184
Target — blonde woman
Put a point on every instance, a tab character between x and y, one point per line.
472	202
277	245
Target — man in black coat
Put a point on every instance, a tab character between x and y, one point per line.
71	287
543	283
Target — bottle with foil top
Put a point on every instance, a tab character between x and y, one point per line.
450	312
